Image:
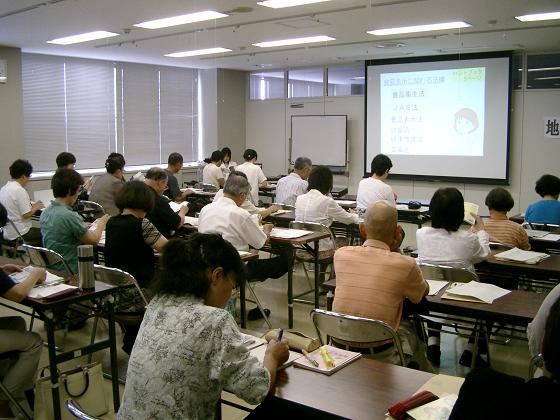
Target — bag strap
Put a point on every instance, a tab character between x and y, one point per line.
65	381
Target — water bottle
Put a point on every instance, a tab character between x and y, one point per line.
85	267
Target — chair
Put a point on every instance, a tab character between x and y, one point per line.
91	210
47	258
3	389
77	411
545	226
354	329
284	206
447	273
537	362
257	302
13	246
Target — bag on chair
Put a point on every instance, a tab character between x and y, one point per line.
83	384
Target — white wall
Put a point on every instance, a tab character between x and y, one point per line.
531	155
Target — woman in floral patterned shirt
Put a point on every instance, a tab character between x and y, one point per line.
189	348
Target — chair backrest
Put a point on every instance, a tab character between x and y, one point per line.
285	206
47	258
91	210
545	226
314	227
354	329
131	299
77	411
500	246
443	272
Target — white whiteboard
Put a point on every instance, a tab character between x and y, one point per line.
321	138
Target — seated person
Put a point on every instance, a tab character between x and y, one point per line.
535	329
295	184
444	244
225	217
227	165
162	216
498	226
15	199
68	160
373	280
317	205
212	174
488	394
174	165
254	174
374	188
189	348
548	209
19	378
107	186
63	230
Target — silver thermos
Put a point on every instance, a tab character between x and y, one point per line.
85	267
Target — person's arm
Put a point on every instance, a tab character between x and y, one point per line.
182	213
523	239
268	211
261	178
93	237
481	247
253	235
22	289
152	237
38	205
338	214
416	286
535	330
221	181
276	354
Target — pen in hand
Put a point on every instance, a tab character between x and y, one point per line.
280	334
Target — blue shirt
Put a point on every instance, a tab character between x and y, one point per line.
62	231
544	211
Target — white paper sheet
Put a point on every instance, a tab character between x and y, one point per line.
483	292
519	255
436	286
193	221
22	275
553	237
41	292
177	206
346	202
534	233
288	233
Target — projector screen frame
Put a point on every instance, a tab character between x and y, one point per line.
436	58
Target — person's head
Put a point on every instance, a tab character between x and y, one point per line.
175	162
237	187
547	185
65	160
135	195
302	167
204	266
551	342
381	222
321	179
21	170
250	155
499	199
381	165
216	158
226	154
66	183
447	209
115	164
157	179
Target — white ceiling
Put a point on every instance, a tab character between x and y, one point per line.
28	24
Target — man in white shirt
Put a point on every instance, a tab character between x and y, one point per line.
254	173
374	188
289	187
212	174
16	200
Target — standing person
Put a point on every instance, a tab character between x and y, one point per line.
254	174
189	348
174	165
227	165
212	174
548	209
374	188
107	186
18	205
63	230
295	184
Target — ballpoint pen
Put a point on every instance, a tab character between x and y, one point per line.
280	334
309	359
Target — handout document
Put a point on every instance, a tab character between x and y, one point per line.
519	255
475	291
435	286
177	206
22	275
288	233
471	210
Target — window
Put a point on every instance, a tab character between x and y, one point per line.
92	108
305	83
346	80
516	72
543	71
266	85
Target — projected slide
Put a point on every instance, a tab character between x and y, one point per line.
438	112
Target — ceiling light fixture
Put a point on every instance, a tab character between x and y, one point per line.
88	36
279	4
294	41
192	53
181	20
539	16
419	28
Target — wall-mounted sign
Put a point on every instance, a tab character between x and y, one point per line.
552	127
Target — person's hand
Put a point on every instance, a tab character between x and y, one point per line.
278	351
183	210
267	228
187	192
350	210
12	268
41	274
478	223
274	208
88	184
38	205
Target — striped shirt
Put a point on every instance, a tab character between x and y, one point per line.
507	232
288	189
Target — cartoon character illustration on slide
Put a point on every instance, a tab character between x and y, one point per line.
466	121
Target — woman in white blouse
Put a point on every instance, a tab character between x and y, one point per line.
317	205
254	173
212	174
227	165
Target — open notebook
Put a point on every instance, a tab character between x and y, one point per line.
340	358
474	291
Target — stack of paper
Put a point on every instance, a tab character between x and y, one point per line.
44	291
288	233
177	206
281	211
519	255
553	237
346	202
193	221
22	275
534	233
475	292
435	286
471	210
340	357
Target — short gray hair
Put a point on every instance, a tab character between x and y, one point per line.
237	184
301	163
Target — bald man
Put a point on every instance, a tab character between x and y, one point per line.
373	280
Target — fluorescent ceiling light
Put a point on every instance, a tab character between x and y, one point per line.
193	53
419	28
279	4
181	20
539	16
358	78
89	36
294	41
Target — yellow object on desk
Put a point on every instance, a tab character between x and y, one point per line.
326	357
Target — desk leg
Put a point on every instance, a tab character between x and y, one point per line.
317	274
52	366
113	354
243	304
291	290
